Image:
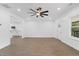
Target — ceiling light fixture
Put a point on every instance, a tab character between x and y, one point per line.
58	8
18	9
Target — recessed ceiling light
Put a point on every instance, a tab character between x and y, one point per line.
18	9
58	8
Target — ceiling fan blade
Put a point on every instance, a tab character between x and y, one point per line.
37	16
32	15
33	10
44	11
45	14
41	15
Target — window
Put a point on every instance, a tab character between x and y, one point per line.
75	27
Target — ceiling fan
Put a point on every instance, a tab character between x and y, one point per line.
38	12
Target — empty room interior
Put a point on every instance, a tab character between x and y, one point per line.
39	29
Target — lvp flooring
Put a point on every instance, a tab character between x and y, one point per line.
37	47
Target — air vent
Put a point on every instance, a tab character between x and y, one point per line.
70	4
6	6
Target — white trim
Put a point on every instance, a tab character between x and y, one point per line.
5	45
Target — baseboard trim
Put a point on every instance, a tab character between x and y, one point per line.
40	37
1	47
70	45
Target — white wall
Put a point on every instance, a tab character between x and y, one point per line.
35	27
39	29
65	29
17	22
4	28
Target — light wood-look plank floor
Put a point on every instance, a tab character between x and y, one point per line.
37	47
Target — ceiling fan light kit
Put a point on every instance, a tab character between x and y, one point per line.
38	12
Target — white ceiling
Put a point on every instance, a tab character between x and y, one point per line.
52	7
